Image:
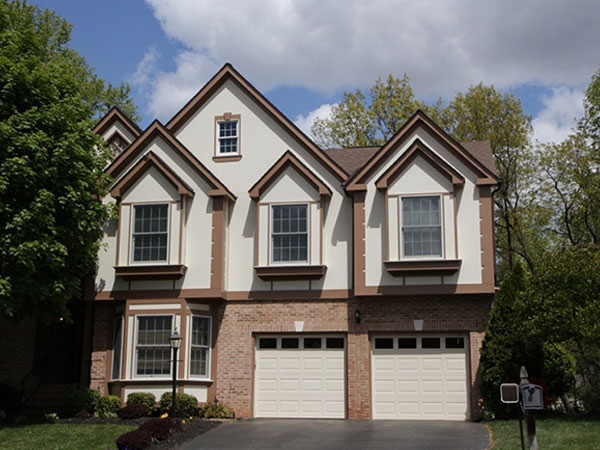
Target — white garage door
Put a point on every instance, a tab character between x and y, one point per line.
419	377
300	376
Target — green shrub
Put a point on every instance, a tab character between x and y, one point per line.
187	405
142	398
80	400
108	407
216	411
133	412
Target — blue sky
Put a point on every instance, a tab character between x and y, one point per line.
303	54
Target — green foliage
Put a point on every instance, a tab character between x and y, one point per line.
80	400
216	411
512	342
142	398
109	407
187	405
51	164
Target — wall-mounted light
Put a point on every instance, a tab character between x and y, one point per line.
357	316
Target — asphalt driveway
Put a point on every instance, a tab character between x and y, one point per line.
301	434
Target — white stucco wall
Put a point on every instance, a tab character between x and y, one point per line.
263	142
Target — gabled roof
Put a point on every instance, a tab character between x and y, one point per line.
156	129
287	160
484	175
418	149
227	72
115	114
351	158
141	167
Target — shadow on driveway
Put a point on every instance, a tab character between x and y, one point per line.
302	434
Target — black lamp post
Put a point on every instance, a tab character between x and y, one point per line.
175	341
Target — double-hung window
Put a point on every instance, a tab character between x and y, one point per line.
153	350
227	140
421	226
150	233
289	233
200	347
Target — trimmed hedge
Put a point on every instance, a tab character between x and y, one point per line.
216	411
187	405
80	400
135	440
109	407
142	398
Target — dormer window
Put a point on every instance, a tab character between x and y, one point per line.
227	143
150	233
289	233
421	226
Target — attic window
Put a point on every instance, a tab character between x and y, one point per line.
227	136
117	144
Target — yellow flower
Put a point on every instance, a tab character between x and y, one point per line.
191	417
183	421
164	416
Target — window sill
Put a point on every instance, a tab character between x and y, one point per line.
429	267
157	272
290	273
160	381
227	158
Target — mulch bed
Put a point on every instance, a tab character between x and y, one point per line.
191	429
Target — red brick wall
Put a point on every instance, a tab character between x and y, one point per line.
103	329
239	320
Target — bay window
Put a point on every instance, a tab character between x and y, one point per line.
153	350
200	347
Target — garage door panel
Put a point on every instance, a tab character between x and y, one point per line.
299	382
417	383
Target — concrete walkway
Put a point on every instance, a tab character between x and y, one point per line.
304	434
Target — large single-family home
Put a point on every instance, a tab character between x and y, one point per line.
305	282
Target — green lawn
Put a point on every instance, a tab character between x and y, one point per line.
61	436
553	433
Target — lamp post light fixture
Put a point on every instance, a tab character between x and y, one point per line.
175	340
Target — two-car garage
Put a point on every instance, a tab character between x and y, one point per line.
412	376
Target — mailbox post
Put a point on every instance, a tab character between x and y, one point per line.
531	399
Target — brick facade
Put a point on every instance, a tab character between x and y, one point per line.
237	322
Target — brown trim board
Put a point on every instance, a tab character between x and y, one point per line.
112	116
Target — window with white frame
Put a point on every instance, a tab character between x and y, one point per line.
150	233
227	137
200	347
289	233
421	226
117	345
153	350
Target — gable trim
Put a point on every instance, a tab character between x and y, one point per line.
357	182
287	160
148	161
156	129
115	114
418	149
227	72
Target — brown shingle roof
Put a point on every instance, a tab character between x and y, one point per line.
353	158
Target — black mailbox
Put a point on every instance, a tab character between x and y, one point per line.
532	396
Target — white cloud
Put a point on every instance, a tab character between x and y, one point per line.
146	68
326	46
306	122
560	113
